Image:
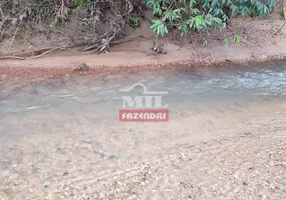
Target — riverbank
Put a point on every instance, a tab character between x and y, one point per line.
261	41
235	154
225	139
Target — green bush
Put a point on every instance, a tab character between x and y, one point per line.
80	3
187	15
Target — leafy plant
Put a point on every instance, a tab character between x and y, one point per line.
227	42
54	22
36	5
236	38
202	15
80	3
134	21
159	27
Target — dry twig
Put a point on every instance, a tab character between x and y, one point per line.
280	29
16	56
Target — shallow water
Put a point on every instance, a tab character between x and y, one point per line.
244	84
72	122
97	99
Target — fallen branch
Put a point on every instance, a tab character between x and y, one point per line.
12	57
280	29
105	18
31	57
127	39
46	52
37	51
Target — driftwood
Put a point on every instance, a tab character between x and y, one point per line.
42	52
105	19
16	56
280	29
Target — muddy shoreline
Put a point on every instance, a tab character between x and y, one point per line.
259	45
62	138
47	73
184	65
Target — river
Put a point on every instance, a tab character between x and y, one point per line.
62	138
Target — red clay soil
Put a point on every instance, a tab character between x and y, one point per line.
260	42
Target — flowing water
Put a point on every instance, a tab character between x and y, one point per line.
67	131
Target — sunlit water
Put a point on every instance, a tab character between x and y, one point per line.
196	86
97	99
74	120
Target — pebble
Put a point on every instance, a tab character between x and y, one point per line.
112	157
65	174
